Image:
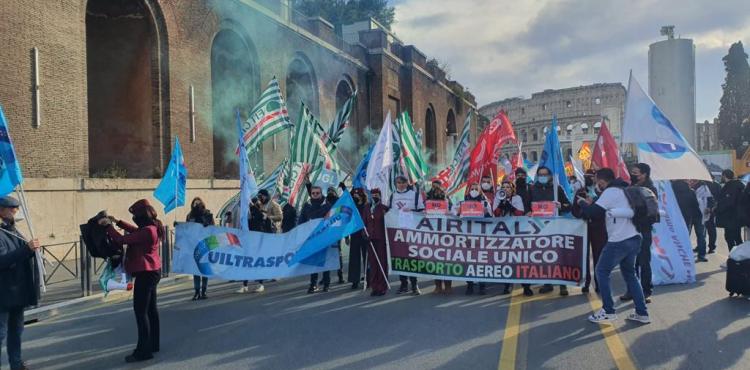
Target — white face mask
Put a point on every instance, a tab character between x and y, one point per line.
474	193
486	186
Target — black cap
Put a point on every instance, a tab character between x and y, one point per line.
263	192
9	202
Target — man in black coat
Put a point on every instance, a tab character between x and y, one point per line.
316	207
729	212
19	280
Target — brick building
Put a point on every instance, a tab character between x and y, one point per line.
580	111
95	92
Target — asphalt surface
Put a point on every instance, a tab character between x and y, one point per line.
694	327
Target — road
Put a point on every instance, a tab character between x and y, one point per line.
694	327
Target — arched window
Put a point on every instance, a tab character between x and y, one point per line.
534	156
450	126
534	135
430	135
235	84
524	136
126	66
301	87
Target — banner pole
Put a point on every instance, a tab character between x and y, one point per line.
364	286
37	253
380	266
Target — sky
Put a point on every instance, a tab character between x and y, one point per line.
506	48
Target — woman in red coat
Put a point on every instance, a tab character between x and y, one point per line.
143	262
375	223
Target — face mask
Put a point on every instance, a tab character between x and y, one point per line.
142	221
376	200
474	193
589	181
542	179
486	186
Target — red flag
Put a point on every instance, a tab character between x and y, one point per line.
486	154
607	155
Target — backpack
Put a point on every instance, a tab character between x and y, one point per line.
645	207
96	239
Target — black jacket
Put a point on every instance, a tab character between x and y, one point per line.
289	220
205	218
523	190
544	193
313	210
729	213
687	201
19	280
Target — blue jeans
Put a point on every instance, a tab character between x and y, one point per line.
621	253
700	235
11	326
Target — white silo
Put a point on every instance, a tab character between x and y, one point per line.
671	80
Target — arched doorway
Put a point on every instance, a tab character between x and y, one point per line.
126	66
451	130
234	85
301	87
430	127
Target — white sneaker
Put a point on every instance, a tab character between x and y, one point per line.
259	289
242	290
723	265
643	319
602	316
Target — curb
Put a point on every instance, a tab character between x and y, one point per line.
70	306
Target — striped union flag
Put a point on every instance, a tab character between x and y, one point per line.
411	150
268	117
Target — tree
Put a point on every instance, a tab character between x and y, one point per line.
734	129
340	12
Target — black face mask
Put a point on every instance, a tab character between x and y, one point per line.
142	221
331	198
316	201
376	200
589	181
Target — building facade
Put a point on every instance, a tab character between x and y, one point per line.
579	110
96	91
707	138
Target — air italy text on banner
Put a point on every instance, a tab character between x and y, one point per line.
511	250
672	260
233	254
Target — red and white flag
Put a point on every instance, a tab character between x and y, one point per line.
486	154
606	154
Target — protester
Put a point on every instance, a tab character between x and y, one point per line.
228	221
523	189
622	248
199	214
259	221
729	212
316	207
715	190
19	281
142	261
596	231
406	199
487	186
508	204
640	175
575	184
289	218
271	209
543	190
704	198
359	243
437	193
377	264
476	195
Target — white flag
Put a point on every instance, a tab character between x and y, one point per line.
660	143
381	160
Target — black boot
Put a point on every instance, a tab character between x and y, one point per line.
404	288
196	295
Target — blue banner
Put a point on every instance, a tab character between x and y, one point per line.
359	178
552	158
171	189
672	260
234	254
341	221
10	170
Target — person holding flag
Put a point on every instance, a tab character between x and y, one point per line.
316	207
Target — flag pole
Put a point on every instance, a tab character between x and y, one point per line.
37	253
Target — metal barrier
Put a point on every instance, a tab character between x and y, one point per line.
60	262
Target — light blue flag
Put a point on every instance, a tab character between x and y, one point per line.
248	187
552	158
10	170
341	221
171	189
360	174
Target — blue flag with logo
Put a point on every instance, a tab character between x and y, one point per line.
360	174
171	189
552	158
10	170
341	221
